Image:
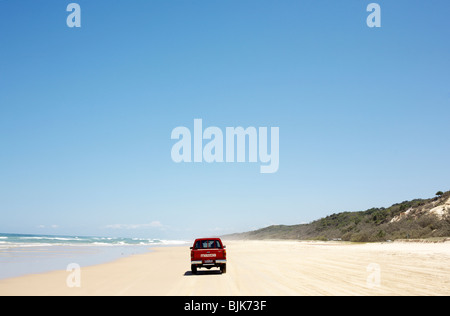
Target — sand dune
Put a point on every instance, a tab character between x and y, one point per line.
259	268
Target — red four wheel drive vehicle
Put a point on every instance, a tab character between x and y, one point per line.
208	253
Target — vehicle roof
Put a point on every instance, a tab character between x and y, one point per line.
210	238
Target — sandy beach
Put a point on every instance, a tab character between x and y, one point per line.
260	268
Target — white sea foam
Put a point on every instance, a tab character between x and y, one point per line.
17	240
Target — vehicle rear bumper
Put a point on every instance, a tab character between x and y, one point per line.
197	262
200	262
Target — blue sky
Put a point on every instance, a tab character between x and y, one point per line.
86	114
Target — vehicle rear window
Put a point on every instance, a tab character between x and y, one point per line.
205	244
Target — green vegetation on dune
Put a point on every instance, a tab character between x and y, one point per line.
407	220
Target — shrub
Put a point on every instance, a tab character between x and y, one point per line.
360	237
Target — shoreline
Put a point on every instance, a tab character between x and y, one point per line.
17	261
22	254
259	268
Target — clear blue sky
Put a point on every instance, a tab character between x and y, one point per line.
86	114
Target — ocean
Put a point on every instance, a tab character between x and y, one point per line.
22	254
21	240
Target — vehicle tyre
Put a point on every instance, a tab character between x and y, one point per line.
194	269
223	268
